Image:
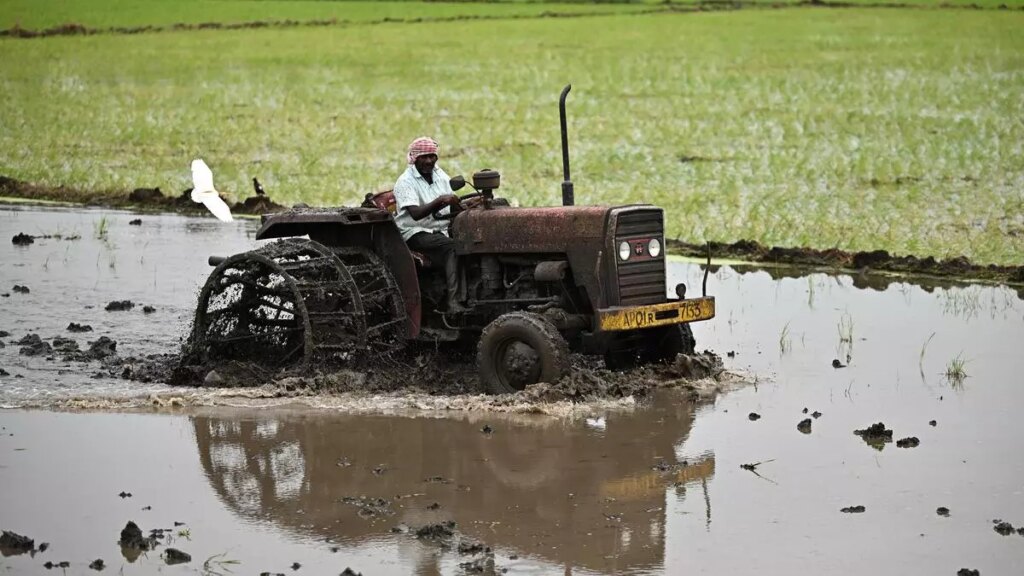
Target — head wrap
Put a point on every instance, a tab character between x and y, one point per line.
421	147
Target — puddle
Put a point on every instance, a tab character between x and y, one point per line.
596	489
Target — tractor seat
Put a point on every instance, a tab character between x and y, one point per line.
386	201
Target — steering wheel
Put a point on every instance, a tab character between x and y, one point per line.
438	216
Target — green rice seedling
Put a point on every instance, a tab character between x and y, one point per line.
845	328
955	372
101	228
785	342
924	348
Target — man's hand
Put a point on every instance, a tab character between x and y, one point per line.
448	200
421	212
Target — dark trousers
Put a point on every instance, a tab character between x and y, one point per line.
435	246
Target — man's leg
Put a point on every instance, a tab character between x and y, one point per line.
441	250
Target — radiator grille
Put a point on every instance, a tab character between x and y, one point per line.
640	281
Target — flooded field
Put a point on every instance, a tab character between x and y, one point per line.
752	481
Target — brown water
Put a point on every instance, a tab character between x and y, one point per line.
600	489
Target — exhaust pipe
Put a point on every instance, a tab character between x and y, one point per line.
567	191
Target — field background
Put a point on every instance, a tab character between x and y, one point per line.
857	128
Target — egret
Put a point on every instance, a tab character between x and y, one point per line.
204	193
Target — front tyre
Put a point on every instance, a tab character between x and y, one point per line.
518	349
668	342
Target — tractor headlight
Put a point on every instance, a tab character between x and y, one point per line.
624	250
654	247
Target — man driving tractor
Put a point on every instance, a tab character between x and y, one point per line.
420	191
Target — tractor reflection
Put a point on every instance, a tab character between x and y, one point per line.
563	492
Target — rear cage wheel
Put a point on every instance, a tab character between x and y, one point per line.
294	300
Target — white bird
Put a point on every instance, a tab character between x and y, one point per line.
597	423
204	193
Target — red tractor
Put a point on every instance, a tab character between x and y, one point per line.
538	283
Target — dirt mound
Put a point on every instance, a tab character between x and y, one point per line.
142	197
752	251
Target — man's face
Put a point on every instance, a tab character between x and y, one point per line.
425	163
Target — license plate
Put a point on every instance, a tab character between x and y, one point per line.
678	312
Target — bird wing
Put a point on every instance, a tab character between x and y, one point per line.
202	177
214	204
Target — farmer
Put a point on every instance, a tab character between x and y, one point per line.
419	192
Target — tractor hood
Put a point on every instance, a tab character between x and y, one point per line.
526	230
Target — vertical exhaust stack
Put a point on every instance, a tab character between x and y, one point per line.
567	191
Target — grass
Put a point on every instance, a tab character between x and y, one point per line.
102	14
856	128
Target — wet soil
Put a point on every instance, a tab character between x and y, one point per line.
576	478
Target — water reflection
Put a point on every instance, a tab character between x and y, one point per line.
569	494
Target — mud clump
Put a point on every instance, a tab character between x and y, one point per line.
909	442
967	572
1003	528
438	532
101	349
804	426
696	366
132	539
33	345
174	556
942	511
753	416
16	543
97	564
853	509
369	507
119	306
75	327
62	344
22	239
876	435
21	289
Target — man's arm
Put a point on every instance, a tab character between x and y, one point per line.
406	199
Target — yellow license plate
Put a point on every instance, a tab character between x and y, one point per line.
636	317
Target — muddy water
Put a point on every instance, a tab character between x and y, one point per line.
603	489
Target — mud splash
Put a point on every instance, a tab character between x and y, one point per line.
425	382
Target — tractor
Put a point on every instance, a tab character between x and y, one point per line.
539	283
